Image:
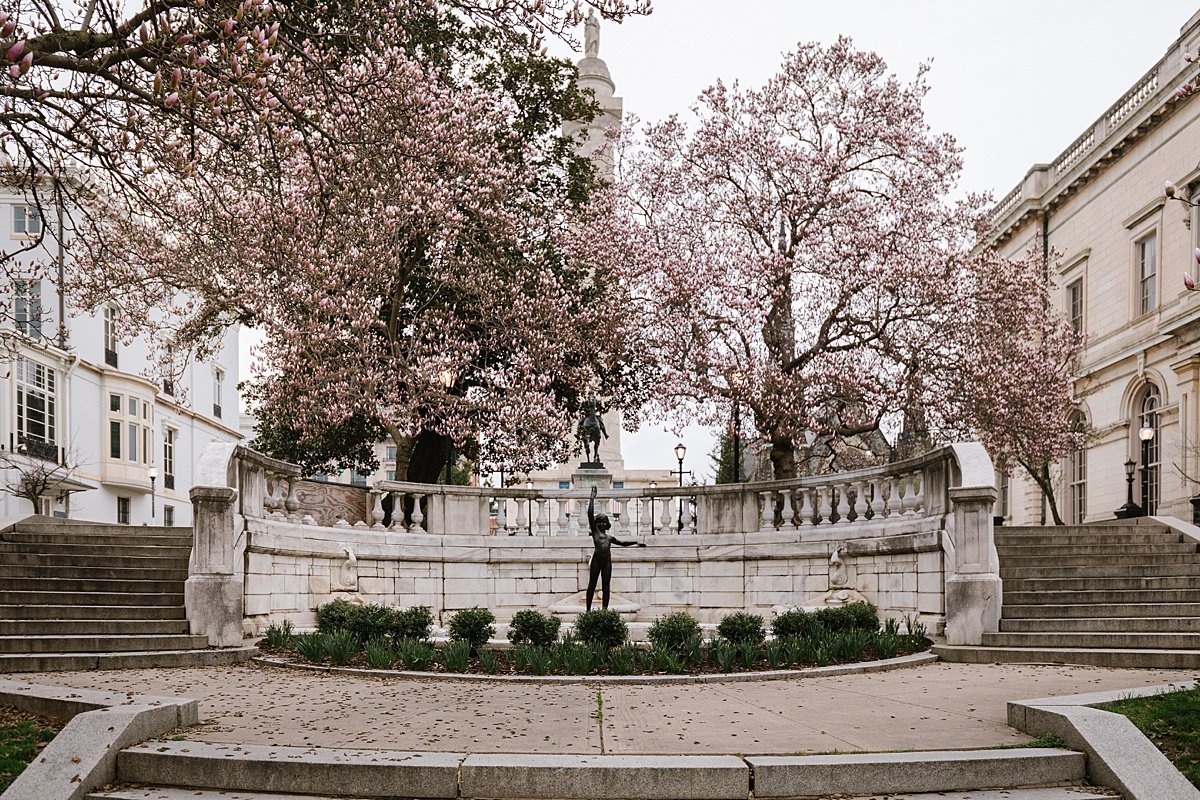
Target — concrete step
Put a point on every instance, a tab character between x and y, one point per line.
8	598
98	539
1100	571
1103	596
1077	560
1067	610
92	627
1123	550
1103	625
1082	530
92	572
108	550
90	612
131	562
78	662
126	585
1094	657
173	793
77	528
82	643
1062	540
1106	584
1121	640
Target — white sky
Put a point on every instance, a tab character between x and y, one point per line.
1014	81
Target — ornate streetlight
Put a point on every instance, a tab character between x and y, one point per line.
680	452
653	486
153	472
1146	435
446	377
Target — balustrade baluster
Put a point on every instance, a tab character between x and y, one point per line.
562	523
806	508
767	522
894	502
501	516
575	526
522	516
919	499
377	511
543	518
623	516
685	516
292	504
843	506
417	517
647	514
908	500
668	516
860	501
397	525
826	510
788	515
877	504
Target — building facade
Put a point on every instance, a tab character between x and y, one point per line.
1125	249
83	407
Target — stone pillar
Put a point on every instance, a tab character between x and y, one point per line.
213	593
973	591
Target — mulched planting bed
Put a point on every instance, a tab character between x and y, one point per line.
1172	722
22	737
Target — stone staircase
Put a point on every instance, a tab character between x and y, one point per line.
1111	595
79	596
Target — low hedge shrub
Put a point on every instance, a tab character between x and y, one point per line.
533	627
603	627
673	631
473	626
740	627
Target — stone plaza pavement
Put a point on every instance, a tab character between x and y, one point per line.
933	707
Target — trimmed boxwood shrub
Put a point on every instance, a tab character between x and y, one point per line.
795	623
673	631
603	627
372	621
334	616
473	626
533	627
740	627
413	623
828	620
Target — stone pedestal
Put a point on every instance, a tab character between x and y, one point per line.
972	608
214	608
591	473
212	595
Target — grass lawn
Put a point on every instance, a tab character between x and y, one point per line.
22	737
1171	721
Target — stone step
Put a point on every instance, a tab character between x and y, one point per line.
1094	657
76	528
125	586
108	550
1039	793
1124	550
1121	596
1121	640
1141	537
91	627
1100	571
1115	559
8	598
1047	611
100	644
91	612
1082	530
1103	625
97	539
1098	583
92	572
79	662
130	562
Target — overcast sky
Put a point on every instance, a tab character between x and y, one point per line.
1014	81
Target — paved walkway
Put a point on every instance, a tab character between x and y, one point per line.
934	707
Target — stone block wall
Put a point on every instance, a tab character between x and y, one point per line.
291	569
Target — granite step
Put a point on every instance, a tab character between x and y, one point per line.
123	585
1103	625
1094	657
14	558
1076	560
109	550
1092	640
100	539
80	662
175	793
72	527
92	572
91	612
1100	571
84	643
1141	537
1100	596
1122	528
1124	550
1073	610
1099	583
91	627
8	597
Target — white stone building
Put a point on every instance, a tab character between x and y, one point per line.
1126	249
80	397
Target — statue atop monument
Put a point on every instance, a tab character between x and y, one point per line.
590	429
591	35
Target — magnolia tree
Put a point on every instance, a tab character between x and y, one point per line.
809	264
432	268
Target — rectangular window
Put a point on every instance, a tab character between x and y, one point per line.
36	402
110	335
131	453
390	453
357	479
133	406
27	221
218	389
169	516
123	510
169	452
391	474
114	403
1075	302
27	307
1147	274
114	439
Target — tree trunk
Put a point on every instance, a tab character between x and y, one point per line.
783	457
430	454
1041	476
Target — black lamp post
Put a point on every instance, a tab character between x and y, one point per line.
1130	509
1146	434
653	486
680	452
446	377
735	382
153	472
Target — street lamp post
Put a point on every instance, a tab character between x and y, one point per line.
446	377
680	452
735	382
1146	435
653	486
153	472
1130	509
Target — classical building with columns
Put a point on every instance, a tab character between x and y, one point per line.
1126	249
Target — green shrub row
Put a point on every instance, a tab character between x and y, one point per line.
369	621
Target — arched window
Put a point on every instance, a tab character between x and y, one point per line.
1147	439
1077	475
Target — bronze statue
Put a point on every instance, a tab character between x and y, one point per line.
590	429
601	564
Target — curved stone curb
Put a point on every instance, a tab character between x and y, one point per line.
83	756
1119	755
902	662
